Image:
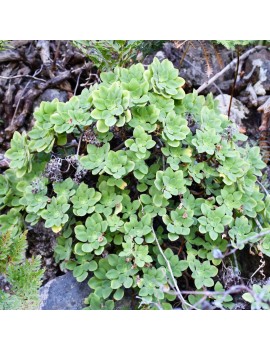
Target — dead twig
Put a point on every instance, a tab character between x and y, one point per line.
44	47
263	187
196	69
234	82
184	54
228	67
32	94
23	76
236	289
25	88
77	83
56	55
259	235
259	269
9	55
258	223
79	145
176	288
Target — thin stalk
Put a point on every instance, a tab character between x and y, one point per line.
234	82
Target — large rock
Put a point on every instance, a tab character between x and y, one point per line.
64	293
50	95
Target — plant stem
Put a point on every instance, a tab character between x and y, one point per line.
179	294
234	83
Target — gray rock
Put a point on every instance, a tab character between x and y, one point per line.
64	293
4	162
160	55
238	110
50	95
259	63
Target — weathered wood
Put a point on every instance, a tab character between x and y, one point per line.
28	69
9	55
265	110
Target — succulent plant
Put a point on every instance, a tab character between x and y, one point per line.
164	79
203	273
117	164
84	200
175	129
170	182
110	102
92	235
55	213
146	186
19	154
214	221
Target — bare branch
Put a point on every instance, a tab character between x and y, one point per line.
24	76
259	235
77	83
233	290
179	294
25	88
79	145
236	289
9	55
263	187
228	67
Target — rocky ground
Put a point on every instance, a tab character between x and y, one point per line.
33	71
